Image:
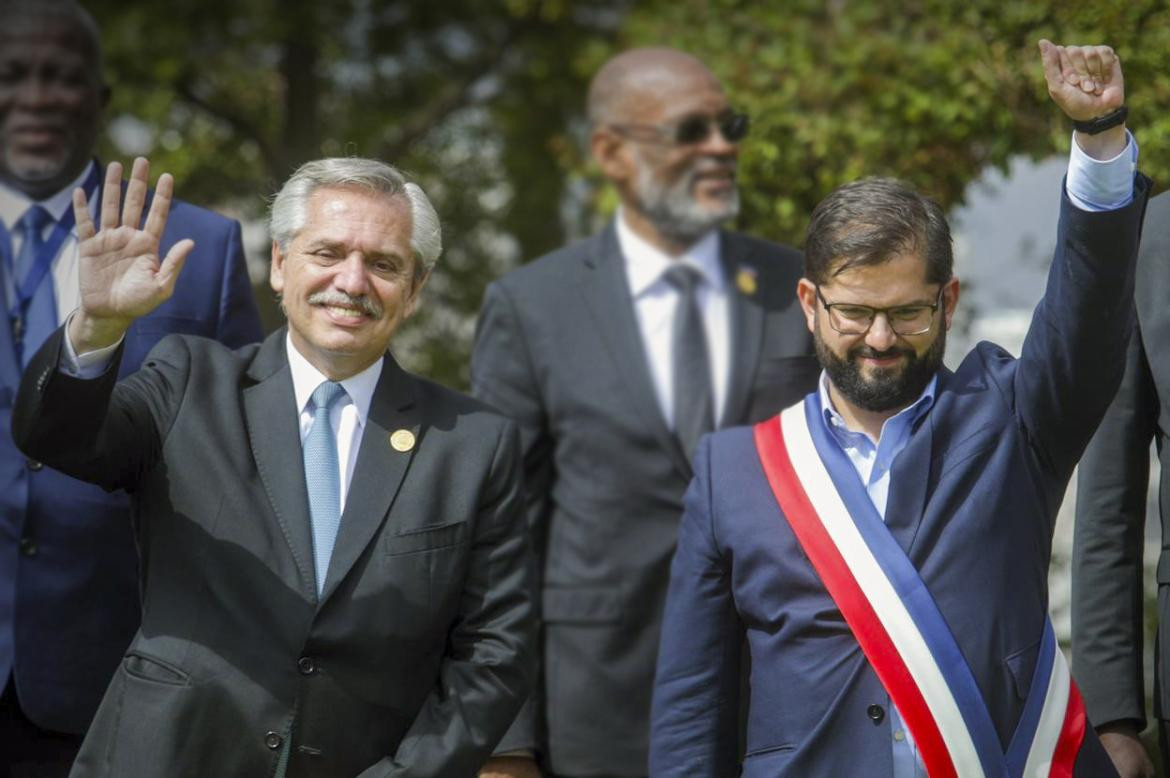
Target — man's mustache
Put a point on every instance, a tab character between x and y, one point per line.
872	353
362	303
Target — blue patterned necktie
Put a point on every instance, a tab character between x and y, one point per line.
38	318
322	477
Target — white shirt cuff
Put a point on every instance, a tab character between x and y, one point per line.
88	365
1101	185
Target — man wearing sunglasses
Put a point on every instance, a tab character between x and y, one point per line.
615	355
885	541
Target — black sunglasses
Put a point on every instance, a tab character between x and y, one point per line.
696	128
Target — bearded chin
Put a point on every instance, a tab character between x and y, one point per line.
673	210
886	389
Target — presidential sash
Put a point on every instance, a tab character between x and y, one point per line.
898	625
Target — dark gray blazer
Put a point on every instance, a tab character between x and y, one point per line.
558	349
1111	506
417	655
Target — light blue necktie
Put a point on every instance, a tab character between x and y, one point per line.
39	317
322	479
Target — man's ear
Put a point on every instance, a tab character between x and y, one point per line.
950	300
806	292
611	153
276	269
416	295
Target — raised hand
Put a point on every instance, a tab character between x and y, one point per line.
1086	82
122	277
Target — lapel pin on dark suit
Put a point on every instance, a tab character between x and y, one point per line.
402	440
747	280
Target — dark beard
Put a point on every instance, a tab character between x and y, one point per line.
890	388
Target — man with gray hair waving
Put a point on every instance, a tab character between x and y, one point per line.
334	566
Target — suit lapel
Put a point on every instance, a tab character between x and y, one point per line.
607	294
744	281
911	475
274	433
9	367
378	472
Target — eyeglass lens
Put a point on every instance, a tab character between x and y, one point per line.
695	129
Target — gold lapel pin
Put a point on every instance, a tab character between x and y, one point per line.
402	440
745	281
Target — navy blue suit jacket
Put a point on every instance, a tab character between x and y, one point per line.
973	500
68	565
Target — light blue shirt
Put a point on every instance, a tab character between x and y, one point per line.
1092	185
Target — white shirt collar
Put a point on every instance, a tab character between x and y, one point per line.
307	378
13	202
645	263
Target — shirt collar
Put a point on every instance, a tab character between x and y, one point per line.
307	378
13	202
903	419
645	263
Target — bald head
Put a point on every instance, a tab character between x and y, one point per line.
19	17
627	80
52	95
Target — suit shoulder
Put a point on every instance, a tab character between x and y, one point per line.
194	217
764	251
179	347
449	406
549	270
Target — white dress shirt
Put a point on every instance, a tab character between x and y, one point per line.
347	416
66	283
655	301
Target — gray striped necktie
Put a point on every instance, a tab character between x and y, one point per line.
694	413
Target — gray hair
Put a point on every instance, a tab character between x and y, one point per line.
287	214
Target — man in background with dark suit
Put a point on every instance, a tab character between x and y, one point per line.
68	567
1113	478
615	355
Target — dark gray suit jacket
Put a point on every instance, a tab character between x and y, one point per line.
416	656
558	349
1111	506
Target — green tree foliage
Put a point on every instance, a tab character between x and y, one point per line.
931	91
482	102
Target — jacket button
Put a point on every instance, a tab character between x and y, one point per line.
875	713
273	740
28	547
306	665
34	465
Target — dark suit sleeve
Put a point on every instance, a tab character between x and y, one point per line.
98	430
503	376
239	322
486	672
1073	355
1112	483
694	714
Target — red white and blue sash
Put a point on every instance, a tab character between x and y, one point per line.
897	623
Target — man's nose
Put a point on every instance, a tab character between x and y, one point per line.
351	276
881	335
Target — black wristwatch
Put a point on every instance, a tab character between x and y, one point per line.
1101	123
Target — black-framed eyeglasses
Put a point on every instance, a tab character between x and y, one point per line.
695	128
854	319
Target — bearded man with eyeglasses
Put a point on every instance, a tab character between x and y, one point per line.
615	355
885	542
